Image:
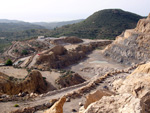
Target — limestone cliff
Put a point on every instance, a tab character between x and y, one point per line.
123	103
32	83
132	46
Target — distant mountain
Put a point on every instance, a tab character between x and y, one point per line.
52	25
103	24
11	30
15	25
9	21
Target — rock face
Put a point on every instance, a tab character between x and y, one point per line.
58	50
59	59
123	103
138	84
69	79
95	97
57	107
132	45
132	95
32	83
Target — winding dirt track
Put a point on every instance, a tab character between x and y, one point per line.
46	97
39	100
8	52
58	93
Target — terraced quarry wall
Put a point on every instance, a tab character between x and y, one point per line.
53	60
132	46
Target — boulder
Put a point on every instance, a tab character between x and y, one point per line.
57	107
95	96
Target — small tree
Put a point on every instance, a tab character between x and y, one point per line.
24	52
8	63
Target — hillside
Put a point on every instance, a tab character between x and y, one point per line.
7	37
52	25
103	24
9	21
11	30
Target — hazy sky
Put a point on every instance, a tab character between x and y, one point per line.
63	10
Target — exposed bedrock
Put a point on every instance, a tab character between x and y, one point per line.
32	83
132	46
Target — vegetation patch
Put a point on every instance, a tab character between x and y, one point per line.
16	105
9	62
104	24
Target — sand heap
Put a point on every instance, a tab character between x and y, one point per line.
132	46
64	40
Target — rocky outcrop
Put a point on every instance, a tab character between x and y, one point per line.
138	83
32	83
95	96
57	107
63	58
64	40
132	46
57	50
132	95
143	25
69	79
123	103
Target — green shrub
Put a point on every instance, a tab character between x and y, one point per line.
11	77
28	70
16	50
16	105
44	79
8	63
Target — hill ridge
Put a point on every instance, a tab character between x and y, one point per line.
107	23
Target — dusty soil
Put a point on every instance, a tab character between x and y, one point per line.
21	73
96	61
92	66
11	71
